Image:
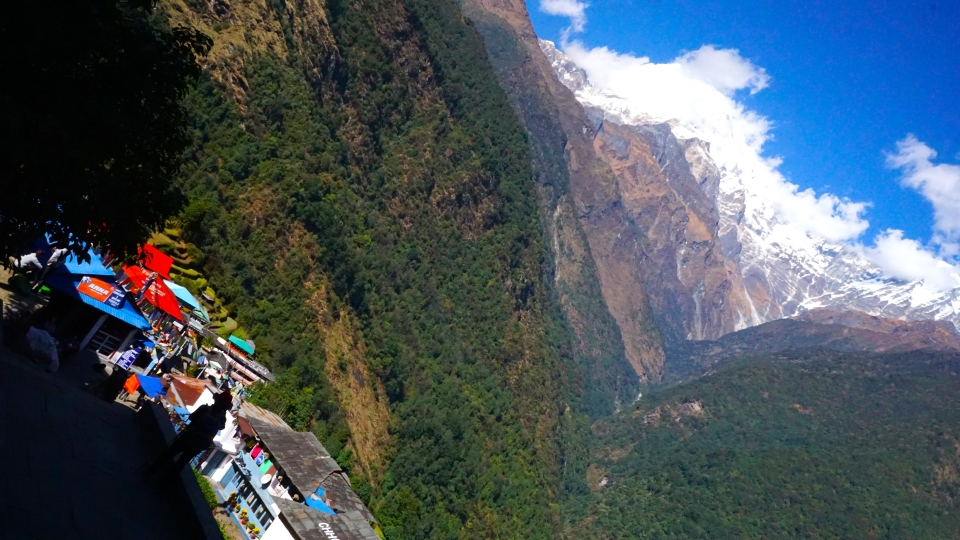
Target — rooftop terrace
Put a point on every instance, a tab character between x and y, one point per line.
72	460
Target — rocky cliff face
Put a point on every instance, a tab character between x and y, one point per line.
645	201
595	241
694	292
668	189
849	332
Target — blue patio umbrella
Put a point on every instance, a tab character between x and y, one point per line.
187	298
151	386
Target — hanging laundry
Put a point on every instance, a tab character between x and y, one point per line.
255	452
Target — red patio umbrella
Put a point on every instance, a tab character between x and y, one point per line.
156	260
157	292
136	275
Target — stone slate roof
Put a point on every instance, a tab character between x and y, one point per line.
305	523
301	456
342	497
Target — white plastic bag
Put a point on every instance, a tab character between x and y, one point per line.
44	348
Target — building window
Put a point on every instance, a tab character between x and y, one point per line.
109	336
214	462
231	474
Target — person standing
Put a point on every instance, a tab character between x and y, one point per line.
29	262
57	257
196	437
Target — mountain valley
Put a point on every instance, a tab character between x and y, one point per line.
514	305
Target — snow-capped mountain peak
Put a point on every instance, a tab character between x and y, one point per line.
788	263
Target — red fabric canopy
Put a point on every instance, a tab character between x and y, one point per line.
157	294
156	260
137	276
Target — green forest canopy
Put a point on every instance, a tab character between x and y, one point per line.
804	445
410	202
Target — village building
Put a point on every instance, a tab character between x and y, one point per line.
190	394
284	482
238	355
87	306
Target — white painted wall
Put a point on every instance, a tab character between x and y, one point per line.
277	531
206	398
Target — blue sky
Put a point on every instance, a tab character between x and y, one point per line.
848	80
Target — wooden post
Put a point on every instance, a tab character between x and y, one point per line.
93	331
123	345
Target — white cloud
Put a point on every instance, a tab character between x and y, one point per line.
824	216
723	69
939	184
574	10
903	258
697	90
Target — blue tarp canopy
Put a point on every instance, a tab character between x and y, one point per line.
151	386
93	267
241	344
317	504
71	264
184	296
128	313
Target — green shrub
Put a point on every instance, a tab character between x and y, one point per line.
207	489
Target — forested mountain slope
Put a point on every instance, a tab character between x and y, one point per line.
804	445
601	273
362	194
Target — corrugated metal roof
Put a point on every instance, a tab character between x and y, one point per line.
93	267
252	412
128	313
241	344
189	389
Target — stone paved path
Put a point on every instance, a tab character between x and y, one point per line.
69	465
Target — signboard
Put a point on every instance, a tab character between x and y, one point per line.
116	298
95	288
126	359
